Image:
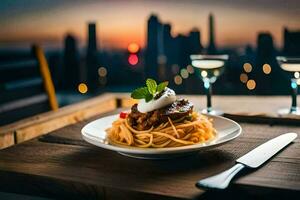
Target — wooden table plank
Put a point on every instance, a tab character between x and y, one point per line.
61	164
62	158
91	166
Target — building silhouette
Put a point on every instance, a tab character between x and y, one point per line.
164	51
211	49
187	45
195	41
266	55
167	39
92	38
151	57
71	59
291	45
92	61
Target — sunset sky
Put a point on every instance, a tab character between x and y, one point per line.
121	22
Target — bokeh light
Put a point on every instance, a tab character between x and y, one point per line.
178	80
294	85
184	73
251	84
204	74
82	88
267	69
247	67
298	81
133	59
243	77
102	71
190	69
296	74
133	47
216	72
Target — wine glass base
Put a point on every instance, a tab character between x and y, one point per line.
287	111
212	112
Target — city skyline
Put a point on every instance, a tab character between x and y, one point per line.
167	57
117	32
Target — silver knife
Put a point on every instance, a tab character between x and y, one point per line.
252	159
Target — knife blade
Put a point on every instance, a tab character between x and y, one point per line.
252	159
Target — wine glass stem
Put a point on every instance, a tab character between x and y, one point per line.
208	88
294	86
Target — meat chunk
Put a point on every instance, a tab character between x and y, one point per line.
178	109
142	121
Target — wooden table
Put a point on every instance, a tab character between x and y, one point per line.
61	165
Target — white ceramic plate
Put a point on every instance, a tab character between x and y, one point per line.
94	133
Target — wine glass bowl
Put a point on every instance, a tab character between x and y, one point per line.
209	68
291	65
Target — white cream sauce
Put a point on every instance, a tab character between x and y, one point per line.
167	98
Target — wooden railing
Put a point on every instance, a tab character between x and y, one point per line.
44	123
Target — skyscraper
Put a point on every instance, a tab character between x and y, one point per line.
92	62
152	52
265	59
167	42
165	56
71	63
165	52
211	49
195	41
291	42
92	38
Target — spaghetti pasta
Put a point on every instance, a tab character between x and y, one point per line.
189	130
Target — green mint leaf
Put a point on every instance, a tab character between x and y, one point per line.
148	97
140	93
151	85
162	86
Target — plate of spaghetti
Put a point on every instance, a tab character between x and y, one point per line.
159	126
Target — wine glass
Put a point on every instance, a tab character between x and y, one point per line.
291	65
209	68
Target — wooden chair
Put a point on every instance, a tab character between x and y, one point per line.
26	87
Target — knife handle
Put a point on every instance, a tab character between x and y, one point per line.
222	180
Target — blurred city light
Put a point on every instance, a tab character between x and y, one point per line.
293	85
133	47
251	84
247	67
190	69
178	80
82	88
243	77
102	71
298	81
133	59
206	84
184	73
296	74
267	69
216	72
204	74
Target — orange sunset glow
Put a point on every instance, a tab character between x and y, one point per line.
120	22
